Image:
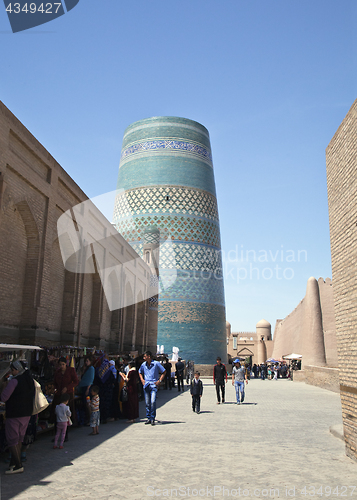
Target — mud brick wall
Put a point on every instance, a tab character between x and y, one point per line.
40	301
341	164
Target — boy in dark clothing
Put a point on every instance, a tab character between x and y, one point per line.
196	390
219	379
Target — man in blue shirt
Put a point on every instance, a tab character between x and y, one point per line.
151	374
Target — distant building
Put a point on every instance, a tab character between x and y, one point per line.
254	347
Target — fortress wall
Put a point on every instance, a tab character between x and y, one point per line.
328	321
341	166
269	346
321	376
288	333
309	330
41	301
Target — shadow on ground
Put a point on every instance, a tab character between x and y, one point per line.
43	460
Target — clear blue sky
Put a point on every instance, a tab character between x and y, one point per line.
270	79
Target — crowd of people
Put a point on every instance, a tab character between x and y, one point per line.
104	390
109	390
272	371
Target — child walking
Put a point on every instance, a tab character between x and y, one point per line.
94	408
62	415
196	390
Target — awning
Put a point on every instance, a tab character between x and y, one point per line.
292	356
19	347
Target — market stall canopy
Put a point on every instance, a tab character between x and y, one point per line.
292	356
18	347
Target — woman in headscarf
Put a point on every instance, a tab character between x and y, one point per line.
18	396
131	407
84	388
65	380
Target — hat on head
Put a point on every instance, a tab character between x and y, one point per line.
236	360
17	365
112	362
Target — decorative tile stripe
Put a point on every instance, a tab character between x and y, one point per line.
151	237
169	146
187	256
191	286
153	301
183	313
153	125
154	200
176	228
191	257
198	329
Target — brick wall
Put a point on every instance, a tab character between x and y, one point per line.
328	321
41	301
341	163
321	376
293	333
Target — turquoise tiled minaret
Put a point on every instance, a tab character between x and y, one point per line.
166	173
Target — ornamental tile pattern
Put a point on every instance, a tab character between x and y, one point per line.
179	228
181	200
168	146
192	286
152	237
187	256
183	312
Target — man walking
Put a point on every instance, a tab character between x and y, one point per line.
190	366
219	379
151	374
262	371
180	368
239	374
168	367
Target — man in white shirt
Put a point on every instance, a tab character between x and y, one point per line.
239	375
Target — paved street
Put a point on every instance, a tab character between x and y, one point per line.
276	441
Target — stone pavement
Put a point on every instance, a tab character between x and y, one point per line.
272	446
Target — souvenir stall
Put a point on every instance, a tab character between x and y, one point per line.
294	363
42	361
45	364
